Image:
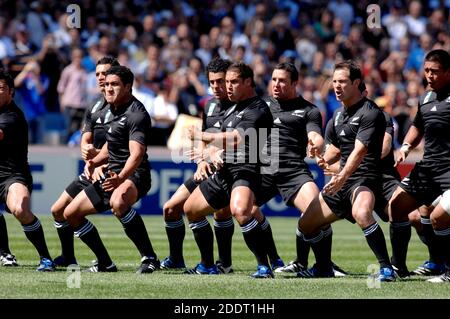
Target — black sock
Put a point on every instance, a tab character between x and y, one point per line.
224	230
176	231
253	237
443	244
65	233
269	241
303	248
89	235
400	235
4	242
204	238
35	235
321	246
428	237
375	238
135	229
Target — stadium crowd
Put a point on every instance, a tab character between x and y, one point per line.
167	45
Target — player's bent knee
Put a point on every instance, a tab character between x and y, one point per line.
172	211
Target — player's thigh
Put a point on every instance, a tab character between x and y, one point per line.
173	208
123	197
305	196
316	216
241	203
78	208
401	204
362	206
18	202
61	203
196	206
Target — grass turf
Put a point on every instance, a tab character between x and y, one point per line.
350	251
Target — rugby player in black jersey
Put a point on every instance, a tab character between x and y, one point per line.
16	181
244	130
430	177
92	139
296	121
124	175
356	139
173	209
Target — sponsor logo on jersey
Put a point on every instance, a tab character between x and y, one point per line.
342	133
217	124
98	121
122	121
277	121
230	124
433	109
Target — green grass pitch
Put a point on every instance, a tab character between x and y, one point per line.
350	251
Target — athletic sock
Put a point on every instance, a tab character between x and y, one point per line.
65	233
321	246
135	229
203	236
89	235
268	238
4	242
224	230
375	238
175	231
443	243
35	235
254	238
400	235
303	248
428	237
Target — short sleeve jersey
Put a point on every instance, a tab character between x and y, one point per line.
129	123
95	119
213	114
363	121
433	121
292	121
14	145
253	119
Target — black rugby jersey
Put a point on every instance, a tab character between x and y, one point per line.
213	114
433	121
387	163
95	119
129	123
252	117
363	121
292	121
14	145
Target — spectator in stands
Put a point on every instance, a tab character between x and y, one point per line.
72	92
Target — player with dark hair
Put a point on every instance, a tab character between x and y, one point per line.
296	121
245	127
16	181
430	177
92	139
127	177
356	139
173	209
